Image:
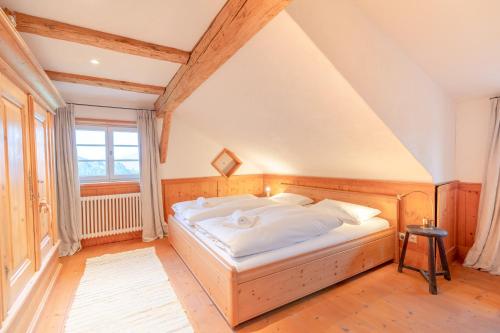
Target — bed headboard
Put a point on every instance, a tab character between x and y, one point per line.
388	205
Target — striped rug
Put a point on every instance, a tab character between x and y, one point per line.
126	292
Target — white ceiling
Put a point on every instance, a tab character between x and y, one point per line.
78	93
174	23
454	41
62	56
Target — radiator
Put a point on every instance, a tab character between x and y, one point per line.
108	215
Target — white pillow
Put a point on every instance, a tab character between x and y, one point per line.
292	199
335	211
358	212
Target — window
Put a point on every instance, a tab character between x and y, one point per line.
107	153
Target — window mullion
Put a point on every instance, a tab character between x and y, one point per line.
109	152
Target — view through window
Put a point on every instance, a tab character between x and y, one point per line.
107	153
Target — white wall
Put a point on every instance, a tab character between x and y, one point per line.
280	102
472	127
104	113
190	153
396	89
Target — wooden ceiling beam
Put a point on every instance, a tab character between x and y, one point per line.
72	33
235	24
107	83
165	134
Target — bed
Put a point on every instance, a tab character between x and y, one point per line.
244	288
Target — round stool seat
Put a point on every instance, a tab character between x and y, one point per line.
434	236
426	232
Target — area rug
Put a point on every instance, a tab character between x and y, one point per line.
126	292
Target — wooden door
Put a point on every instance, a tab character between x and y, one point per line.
43	203
17	227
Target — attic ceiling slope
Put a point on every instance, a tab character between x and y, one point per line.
454	41
282	104
407	99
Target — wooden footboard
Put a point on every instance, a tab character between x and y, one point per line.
241	296
268	292
215	276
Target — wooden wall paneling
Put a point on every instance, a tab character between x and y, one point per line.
95	189
412	208
447	209
111	239
183	189
467	215
240	184
175	190
457	202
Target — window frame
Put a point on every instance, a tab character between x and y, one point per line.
111	164
110	158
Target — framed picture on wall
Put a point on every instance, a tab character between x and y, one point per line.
226	163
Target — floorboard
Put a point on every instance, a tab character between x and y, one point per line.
378	300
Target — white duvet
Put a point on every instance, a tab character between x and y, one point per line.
277	226
194	215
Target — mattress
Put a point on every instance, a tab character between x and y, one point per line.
339	235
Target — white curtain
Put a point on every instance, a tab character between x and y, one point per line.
67	181
485	253
152	211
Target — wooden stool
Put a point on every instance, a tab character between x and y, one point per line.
432	234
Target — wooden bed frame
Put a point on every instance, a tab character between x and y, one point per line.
242	295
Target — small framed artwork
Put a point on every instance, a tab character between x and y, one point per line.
226	163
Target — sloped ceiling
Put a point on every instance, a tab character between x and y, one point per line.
406	98
280	102
454	41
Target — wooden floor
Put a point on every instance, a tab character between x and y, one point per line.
379	300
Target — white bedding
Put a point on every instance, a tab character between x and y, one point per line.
194	215
180	207
344	233
275	227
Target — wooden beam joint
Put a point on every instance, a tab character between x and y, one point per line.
235	24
